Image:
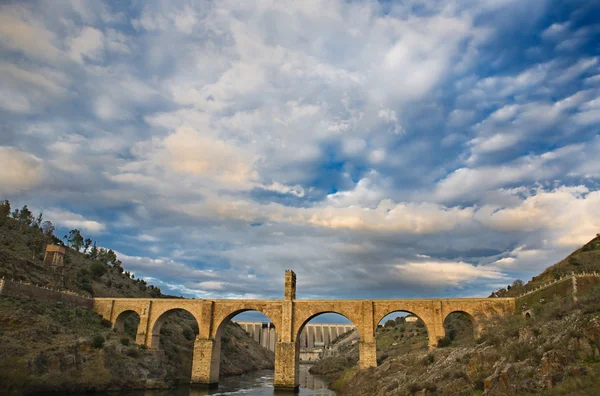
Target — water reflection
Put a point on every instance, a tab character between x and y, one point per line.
256	383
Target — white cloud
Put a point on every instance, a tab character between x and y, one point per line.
472	182
20	31
568	216
87	45
19	171
67	219
189	151
446	273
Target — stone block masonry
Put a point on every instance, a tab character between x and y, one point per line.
10	288
289	318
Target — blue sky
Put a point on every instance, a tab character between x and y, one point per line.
380	150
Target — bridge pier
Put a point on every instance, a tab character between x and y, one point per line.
206	362
367	354
286	367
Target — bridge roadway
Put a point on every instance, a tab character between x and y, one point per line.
289	316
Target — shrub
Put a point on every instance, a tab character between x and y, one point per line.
417	387
188	333
429	359
98	269
106	323
83	281
98	341
382	358
132	352
444	342
125	341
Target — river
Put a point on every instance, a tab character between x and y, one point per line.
254	383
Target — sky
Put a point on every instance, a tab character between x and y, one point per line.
396	149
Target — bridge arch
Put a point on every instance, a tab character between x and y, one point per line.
398	331
307	320
455	326
122	317
410	313
225	312
306	312
153	340
219	328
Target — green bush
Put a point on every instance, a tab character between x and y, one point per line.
84	281
132	352
125	341
98	341
106	323
98	269
444	342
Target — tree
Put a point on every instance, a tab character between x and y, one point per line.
26	217
15	214
111	257
94	252
517	283
103	255
4	211
48	228
38	221
87	244
75	239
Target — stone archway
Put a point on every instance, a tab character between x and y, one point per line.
125	320
459	326
398	332
321	336
157	325
218	339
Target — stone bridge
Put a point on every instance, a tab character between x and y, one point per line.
289	316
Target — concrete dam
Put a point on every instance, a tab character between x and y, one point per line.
312	336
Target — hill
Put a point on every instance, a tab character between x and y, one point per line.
45	346
584	259
555	352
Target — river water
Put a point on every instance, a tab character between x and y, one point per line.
255	383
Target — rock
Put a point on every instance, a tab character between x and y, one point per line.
553	362
526	334
577	371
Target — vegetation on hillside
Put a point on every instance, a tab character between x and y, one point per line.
45	346
87	269
396	338
554	353
584	259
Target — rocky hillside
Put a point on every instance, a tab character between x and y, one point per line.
556	352
397	337
584	259
21	257
48	347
